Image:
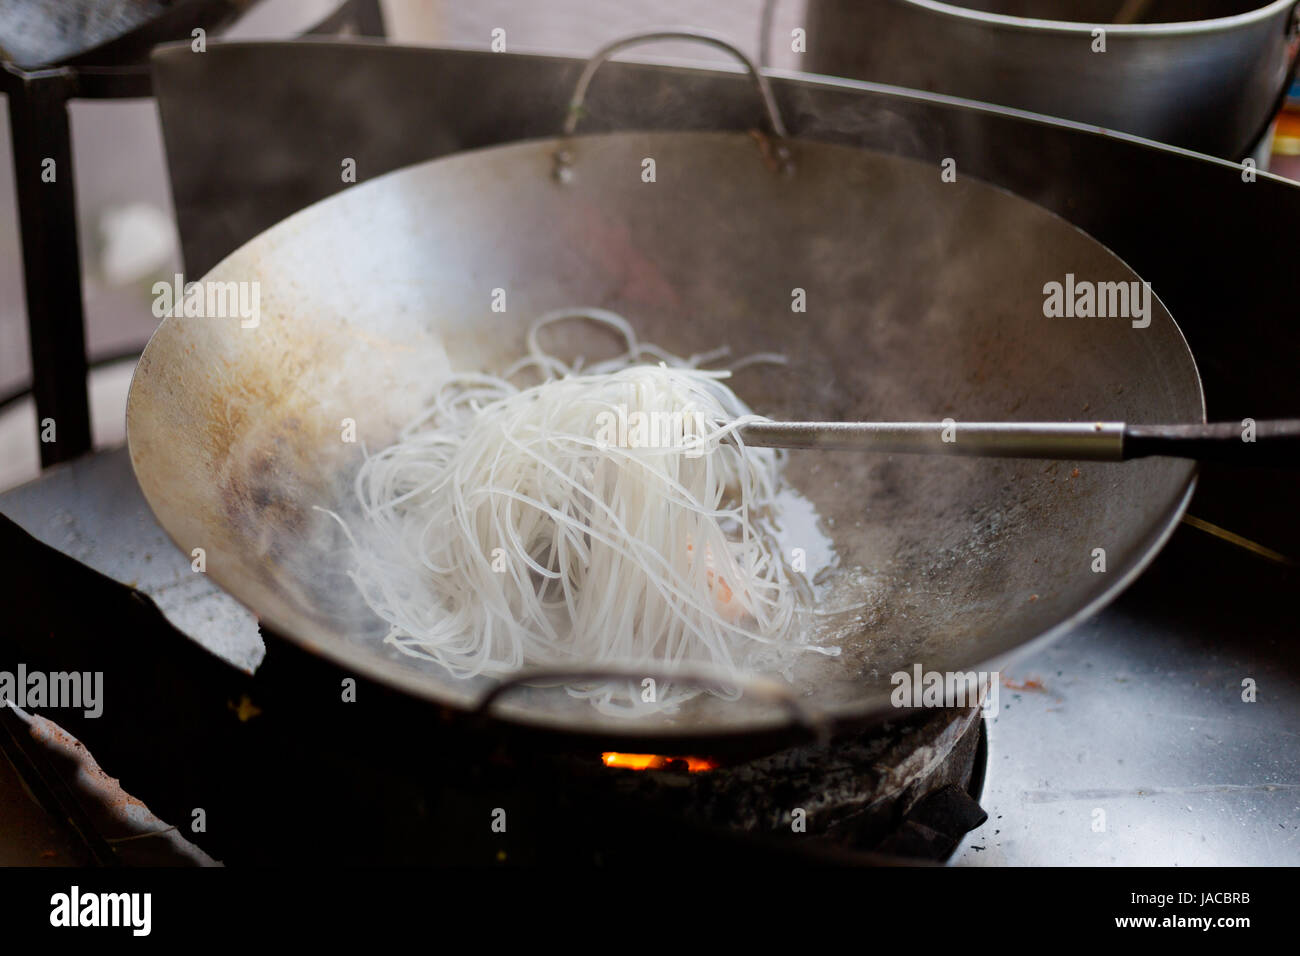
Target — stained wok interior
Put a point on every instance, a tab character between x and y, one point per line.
924	301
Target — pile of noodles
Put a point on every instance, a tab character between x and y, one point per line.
550	526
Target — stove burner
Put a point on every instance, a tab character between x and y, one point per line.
907	789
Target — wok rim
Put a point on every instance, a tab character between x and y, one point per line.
862	714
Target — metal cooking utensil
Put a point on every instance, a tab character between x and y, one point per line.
1247	443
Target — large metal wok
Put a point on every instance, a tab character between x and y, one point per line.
924	301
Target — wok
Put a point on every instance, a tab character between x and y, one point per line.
924	300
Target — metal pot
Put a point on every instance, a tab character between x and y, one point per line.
1204	74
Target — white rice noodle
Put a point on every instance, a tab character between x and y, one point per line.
553	527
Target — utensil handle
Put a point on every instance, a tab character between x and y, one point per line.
1274	443
761	84
1072	441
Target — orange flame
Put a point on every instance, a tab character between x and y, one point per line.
655	762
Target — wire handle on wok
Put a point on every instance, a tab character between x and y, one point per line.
759	688
779	151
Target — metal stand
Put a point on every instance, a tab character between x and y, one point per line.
47	219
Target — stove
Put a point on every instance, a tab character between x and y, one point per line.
393	780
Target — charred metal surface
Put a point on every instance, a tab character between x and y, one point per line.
50	785
935	825
857	792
